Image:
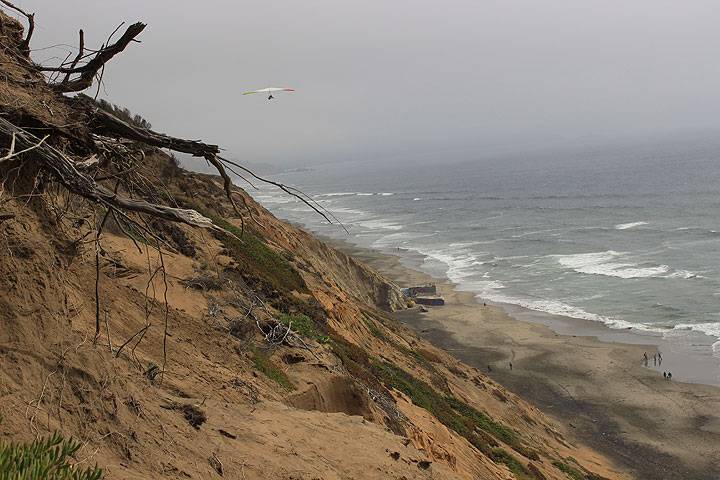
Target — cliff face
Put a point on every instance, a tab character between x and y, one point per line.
354	395
256	353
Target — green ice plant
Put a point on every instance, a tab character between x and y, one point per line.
44	458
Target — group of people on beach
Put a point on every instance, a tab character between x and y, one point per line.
657	361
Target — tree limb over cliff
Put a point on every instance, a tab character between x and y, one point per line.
91	68
64	169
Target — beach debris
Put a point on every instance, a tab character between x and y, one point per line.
270	91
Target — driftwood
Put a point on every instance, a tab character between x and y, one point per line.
63	168
90	69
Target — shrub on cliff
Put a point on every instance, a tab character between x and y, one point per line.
48	458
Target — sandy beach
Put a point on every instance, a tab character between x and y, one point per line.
590	379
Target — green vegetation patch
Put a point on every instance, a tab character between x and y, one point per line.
42	459
303	325
375	330
413	354
265	364
251	252
475	426
571	472
500	455
479	419
355	359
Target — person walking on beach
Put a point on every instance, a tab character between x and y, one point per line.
510	365
669	376
489	369
645	359
660	358
654	360
665	375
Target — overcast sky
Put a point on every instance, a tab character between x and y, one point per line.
395	79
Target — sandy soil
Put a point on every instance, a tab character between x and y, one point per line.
599	391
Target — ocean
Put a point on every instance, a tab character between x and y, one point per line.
626	235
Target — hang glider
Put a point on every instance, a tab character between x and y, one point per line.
270	91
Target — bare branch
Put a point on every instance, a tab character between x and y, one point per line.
64	170
299	194
109	124
81	51
90	69
12	153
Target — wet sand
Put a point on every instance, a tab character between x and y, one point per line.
592	381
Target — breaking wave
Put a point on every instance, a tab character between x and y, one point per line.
625	226
607	264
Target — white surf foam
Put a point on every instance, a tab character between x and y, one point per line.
708	328
457	262
334	194
556	307
625	226
605	263
711	329
684	274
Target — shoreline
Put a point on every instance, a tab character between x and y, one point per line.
586	376
688	355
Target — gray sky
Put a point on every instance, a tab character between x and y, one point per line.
381	79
